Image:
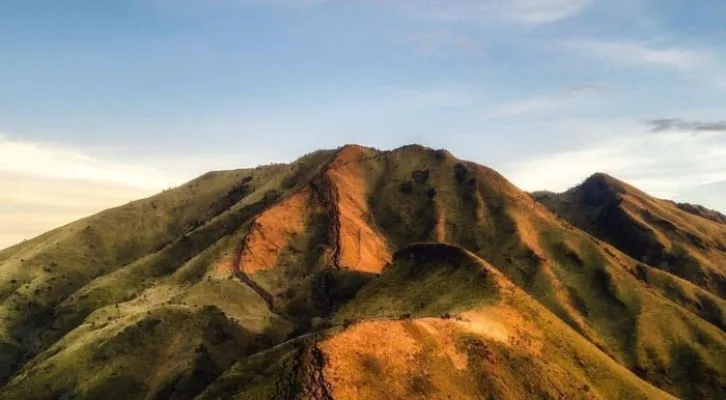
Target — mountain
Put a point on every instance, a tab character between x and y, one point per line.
685	240
357	273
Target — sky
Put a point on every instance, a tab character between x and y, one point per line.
103	102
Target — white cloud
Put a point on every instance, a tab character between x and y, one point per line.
31	205
542	11
586	88
443	42
633	53
520	11
46	185
667	164
46	160
443	96
524	106
711	195
568	98
560	171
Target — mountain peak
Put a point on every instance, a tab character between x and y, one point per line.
601	180
350	153
314	276
598	189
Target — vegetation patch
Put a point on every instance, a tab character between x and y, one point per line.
424	280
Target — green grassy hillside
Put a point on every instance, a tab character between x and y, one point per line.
311	279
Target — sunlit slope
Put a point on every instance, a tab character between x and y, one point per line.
627	309
265	283
465	332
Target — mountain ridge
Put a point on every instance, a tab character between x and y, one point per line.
289	262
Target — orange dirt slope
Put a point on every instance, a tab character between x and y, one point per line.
362	247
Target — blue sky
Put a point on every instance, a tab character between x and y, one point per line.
103	102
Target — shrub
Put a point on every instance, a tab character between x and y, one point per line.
460	172
420	177
439	154
407	188
271	196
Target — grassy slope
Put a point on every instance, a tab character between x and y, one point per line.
589	285
677	343
139	258
464	332
656	232
172	351
39	275
168	256
419	194
425	280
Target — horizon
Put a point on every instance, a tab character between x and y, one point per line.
107	103
144	196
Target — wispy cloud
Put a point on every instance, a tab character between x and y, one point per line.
667	165
542	11
443	96
634	53
587	88
443	41
678	124
519	11
567	98
526	106
44	160
47	185
31	205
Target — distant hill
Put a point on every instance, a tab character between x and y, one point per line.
702	211
357	273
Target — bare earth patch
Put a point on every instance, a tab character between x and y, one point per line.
362	247
384	348
395	356
272	231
